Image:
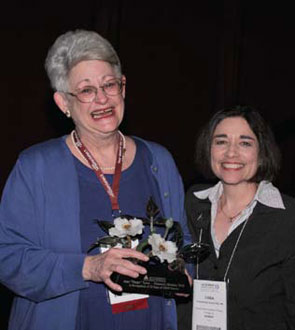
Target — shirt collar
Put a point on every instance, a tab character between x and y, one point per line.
266	194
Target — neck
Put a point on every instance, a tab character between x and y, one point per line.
103	151
99	144
237	196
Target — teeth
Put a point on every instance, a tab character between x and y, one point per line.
232	165
100	113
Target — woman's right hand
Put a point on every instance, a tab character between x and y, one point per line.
99	268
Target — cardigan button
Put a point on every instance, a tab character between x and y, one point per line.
166	194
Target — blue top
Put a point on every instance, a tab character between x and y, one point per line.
40	242
137	185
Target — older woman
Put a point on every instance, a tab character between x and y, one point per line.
248	224
57	188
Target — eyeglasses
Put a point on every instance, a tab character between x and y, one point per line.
88	94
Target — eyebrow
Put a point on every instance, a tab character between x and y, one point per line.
105	77
246	137
81	81
219	136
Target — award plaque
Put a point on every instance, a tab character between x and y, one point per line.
159	280
163	279
166	265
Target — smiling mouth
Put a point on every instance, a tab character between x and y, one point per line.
232	166
101	113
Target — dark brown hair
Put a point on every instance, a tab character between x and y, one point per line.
269	154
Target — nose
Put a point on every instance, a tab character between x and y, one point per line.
232	150
100	97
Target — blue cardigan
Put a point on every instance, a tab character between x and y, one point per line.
40	254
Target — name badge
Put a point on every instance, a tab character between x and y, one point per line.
209	305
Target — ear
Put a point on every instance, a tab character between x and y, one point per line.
61	101
124	86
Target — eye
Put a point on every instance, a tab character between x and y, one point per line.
246	144
219	142
113	87
110	84
88	90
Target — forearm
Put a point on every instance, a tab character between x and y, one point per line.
40	274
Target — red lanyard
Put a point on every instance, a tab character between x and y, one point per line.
113	192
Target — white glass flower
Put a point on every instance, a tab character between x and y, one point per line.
165	250
124	227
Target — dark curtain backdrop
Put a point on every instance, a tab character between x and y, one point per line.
183	62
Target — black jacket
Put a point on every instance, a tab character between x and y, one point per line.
261	279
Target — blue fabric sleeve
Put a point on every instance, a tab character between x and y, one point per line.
30	265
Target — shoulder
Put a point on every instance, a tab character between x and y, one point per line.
279	221
44	147
47	150
289	203
196	188
199	187
44	156
160	156
282	218
155	148
288	200
191	200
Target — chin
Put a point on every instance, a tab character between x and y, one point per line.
235	182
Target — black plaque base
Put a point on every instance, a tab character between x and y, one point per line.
159	281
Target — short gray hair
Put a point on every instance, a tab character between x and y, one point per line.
73	47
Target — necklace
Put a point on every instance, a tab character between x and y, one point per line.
230	218
106	168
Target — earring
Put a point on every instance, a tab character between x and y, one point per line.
68	114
